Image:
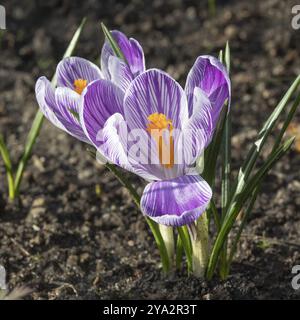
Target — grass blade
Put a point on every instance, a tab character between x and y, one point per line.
179	253
213	209
238	201
287	121
262	137
242	226
73	43
252	156
227	59
210	158
185	239
226	147
39	117
8	167
257	189
226	167
114	45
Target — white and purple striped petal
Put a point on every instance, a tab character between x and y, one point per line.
209	74
46	100
176	202
120	72
59	107
154	91
100	100
199	129
112	143
67	111
74	68
131	50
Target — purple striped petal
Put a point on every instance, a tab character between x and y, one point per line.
73	68
113	145
45	96
154	91
131	49
199	129
176	202
55	104
101	99
135	57
67	101
67	111
211	77
111	141
120	72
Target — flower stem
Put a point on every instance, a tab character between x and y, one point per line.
200	245
168	237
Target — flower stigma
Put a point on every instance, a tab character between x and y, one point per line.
79	85
158	124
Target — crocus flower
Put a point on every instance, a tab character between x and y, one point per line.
154	102
61	105
117	70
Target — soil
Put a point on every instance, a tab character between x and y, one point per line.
76	233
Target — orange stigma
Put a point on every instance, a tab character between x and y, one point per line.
79	85
158	123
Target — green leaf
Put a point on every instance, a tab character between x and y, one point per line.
72	45
213	209
287	121
238	201
213	150
114	45
245	217
160	244
179	253
185	239
258	187
254	152
227	60
39	117
226	147
262	137
8	168
221	56
226	167
74	113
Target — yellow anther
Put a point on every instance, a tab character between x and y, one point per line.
79	85
159	121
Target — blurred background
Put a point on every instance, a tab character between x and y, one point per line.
79	233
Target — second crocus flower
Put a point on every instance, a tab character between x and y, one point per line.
61	105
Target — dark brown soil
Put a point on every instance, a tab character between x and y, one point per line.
67	241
